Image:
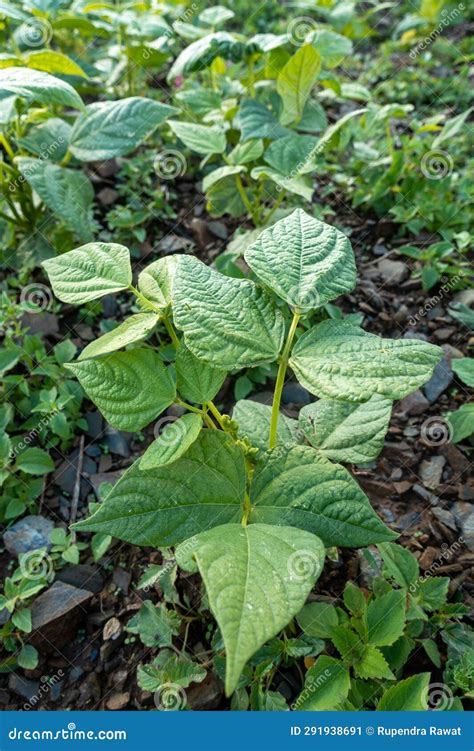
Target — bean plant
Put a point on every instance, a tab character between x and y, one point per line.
251	501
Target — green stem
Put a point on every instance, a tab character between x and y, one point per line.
275	206
245	199
215	412
197	411
247	509
285	356
171	331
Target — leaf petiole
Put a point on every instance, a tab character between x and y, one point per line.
280	381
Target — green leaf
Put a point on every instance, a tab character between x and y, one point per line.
386	618
433	592
302	488
231	323
28	657
38	86
22	620
338	360
407	696
462	422
204	139
451	128
372	664
164	506
256	121
89	272
215	15
99	545
173	442
155	282
199	54
157	625
212	179
246	152
399	564
52	61
298	185
332	47
196	380
254	584
289	155
110	129
295	81
327	684
347	431
464	369
354	599
431	649
130	388
133	329
34	461
318	619
169	669
305	261
254	423
67	193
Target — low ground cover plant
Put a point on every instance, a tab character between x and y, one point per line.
254	500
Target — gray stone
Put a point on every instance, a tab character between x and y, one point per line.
414	404
29	533
22	686
82	576
392	272
439	381
431	471
55	615
294	393
445	517
117	441
464	515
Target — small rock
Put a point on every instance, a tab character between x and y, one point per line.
392	272
206	695
401	314
410	521
82	576
107	168
85	332
107	196
43	324
294	393
427	557
118	700
109	306
65	474
22	686
415	335
414	404
55	615
457	461
29	533
172	243
431	471
117	441
122	579
112	629
439	381
89	690
74	674
443	334
445	517
95	424
218	229
200	231
464	515
425	494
